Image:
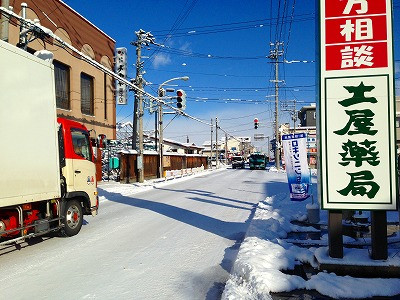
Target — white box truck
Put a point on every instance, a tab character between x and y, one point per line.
47	174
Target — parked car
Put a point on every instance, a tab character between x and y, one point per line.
237	162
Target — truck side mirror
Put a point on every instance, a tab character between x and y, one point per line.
102	141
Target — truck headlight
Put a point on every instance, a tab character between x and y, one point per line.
2	226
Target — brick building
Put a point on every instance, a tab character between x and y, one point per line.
83	93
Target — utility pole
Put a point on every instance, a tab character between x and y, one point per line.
226	148
139	83
211	145
4	23
274	55
160	126
143	38
216	142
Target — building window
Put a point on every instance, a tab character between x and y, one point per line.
398	122
87	98
61	77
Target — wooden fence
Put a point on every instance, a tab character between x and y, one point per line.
128	164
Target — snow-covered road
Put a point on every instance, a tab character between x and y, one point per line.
174	241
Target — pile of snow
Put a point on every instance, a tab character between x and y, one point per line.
264	255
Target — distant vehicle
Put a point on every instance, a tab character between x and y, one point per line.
213	162
237	162
257	161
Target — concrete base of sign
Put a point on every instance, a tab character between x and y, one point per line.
313	214
357	263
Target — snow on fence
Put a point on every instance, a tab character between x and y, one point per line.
171	174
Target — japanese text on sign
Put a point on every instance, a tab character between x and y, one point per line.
356	108
356	34
121	70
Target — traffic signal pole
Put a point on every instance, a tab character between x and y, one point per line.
161	94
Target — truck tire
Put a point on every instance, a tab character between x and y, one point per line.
72	218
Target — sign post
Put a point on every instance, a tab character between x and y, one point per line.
357	110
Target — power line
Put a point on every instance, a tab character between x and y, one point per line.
194	32
186	53
225	75
290	27
177	23
242	117
257	21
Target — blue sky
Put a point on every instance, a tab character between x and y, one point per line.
222	46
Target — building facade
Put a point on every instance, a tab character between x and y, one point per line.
307	116
83	92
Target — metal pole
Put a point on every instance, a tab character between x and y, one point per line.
155	129
211	145
277	150
216	142
226	148
22	39
109	157
161	93
160	125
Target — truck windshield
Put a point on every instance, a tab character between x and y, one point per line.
257	157
237	158
80	141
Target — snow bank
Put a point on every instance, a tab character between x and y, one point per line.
264	256
349	287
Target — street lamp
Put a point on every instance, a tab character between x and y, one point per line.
160	117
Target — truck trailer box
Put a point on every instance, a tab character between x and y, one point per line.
29	159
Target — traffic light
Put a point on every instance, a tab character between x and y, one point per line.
255	123
152	106
181	99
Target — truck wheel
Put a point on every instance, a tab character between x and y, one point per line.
73	218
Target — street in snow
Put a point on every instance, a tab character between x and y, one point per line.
179	239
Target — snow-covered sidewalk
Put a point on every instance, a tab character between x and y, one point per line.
136	187
265	255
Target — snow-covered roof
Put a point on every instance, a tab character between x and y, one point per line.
182	145
73	10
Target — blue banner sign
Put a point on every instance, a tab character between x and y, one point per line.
295	153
